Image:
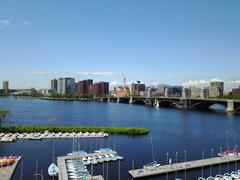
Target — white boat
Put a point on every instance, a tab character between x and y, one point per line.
235	175
210	178
227	176
52	170
151	165
113	157
219	177
201	178
119	157
106	158
103	150
100	159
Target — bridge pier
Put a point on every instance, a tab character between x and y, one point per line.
101	99
131	100
149	101
230	106
118	100
109	99
185	103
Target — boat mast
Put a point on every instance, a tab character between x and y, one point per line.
152	150
53	159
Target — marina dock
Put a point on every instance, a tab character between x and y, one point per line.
7	172
152	171
61	163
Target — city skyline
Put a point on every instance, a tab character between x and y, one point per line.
153	42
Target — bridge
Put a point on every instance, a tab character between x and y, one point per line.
177	102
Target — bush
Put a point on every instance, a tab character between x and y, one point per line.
111	130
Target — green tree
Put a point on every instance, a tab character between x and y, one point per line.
3	115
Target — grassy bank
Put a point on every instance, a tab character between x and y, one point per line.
111	130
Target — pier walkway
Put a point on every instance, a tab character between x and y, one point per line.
151	171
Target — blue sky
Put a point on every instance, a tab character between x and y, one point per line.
156	41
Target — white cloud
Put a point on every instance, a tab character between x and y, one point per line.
113	83
86	73
5	23
234	82
46	72
228	83
197	83
216	79
25	23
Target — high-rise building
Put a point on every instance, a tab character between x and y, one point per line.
83	86
65	85
54	86
195	92
186	93
176	91
99	88
172	90
214	92
216	89
204	92
136	87
5	87
166	94
236	92
151	92
122	91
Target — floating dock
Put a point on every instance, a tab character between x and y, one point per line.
62	169
6	173
152	171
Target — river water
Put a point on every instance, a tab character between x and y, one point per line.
172	130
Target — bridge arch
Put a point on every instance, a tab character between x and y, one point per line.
139	101
205	105
168	103
237	109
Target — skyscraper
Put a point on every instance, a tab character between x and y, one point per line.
216	89
83	86
99	88
236	92
54	86
65	85
5	87
136	87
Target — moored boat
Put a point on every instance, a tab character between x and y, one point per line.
219	177
52	170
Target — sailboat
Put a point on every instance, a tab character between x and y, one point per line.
53	169
153	164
